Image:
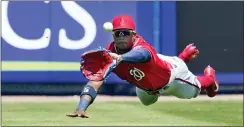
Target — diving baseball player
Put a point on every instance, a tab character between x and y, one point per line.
132	59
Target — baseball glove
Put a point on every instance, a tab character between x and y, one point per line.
96	65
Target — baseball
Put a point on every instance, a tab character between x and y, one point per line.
108	26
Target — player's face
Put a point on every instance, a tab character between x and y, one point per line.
123	38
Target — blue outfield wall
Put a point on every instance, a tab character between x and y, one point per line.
28	57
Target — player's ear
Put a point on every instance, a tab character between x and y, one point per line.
134	33
113	34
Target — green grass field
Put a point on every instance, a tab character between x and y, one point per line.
200	113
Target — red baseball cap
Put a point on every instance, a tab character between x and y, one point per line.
123	22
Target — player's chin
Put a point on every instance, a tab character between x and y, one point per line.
122	45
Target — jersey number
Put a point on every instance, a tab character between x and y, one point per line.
138	74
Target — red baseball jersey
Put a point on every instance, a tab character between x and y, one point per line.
151	75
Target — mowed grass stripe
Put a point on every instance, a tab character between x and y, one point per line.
135	114
219	112
127	113
167	118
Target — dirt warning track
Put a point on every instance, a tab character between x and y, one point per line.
104	98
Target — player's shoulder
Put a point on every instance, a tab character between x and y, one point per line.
141	43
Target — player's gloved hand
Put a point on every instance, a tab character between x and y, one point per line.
96	65
189	53
78	113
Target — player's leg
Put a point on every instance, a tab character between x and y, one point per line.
208	81
184	84
197	83
145	97
181	89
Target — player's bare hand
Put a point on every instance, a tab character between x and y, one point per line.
78	113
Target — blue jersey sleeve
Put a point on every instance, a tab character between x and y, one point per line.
138	55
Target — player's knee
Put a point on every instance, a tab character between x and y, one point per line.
145	98
149	102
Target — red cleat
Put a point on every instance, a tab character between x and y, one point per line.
189	53
214	87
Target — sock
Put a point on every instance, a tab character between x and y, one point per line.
183	58
205	81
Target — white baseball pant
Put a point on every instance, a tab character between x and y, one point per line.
183	84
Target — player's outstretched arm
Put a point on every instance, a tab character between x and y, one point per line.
138	55
87	97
